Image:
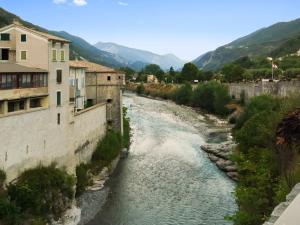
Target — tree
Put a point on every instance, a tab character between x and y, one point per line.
212	96
128	72
154	69
189	72
233	73
172	72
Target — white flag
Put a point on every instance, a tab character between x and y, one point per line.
274	66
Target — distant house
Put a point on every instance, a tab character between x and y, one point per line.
152	79
77	85
103	84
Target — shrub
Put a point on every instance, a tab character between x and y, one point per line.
242	98
2	178
140	89
126	129
184	94
212	96
84	179
42	192
108	148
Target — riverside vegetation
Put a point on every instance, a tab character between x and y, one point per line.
41	195
267	169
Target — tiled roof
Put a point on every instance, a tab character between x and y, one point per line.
17	68
91	67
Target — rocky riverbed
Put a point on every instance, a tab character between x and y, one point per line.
220	155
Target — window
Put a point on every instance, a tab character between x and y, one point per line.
58	98
58	76
5	37
23	55
25	81
54	55
8	81
35	103
119	77
14	106
39	80
109	100
108	78
4	54
58	118
23	38
62	55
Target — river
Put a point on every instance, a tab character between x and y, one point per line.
167	179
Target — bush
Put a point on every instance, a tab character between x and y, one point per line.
242	98
126	129
140	89
108	148
261	184
84	179
2	178
42	192
212	96
184	94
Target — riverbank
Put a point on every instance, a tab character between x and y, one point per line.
167	178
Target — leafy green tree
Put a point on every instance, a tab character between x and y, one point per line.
128	72
154	69
172	72
233	73
222	98
212	96
189	72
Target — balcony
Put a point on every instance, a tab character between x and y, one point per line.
19	85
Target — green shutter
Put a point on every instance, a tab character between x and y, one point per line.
58	98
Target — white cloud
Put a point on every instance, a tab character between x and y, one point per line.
80	2
59	1
123	3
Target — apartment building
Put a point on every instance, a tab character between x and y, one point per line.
39	124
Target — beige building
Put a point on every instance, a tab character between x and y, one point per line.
152	79
77	85
39	124
104	84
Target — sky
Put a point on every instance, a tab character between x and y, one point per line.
186	28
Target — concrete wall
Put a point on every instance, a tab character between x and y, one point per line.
281	88
88	128
34	138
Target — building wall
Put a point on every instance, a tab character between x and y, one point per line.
104	90
281	88
88	128
32	138
36	47
77	76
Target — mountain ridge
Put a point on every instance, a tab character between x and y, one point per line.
134	55
262	42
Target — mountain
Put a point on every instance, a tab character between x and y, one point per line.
263	42
136	57
79	48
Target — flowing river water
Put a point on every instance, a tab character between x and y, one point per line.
167	179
